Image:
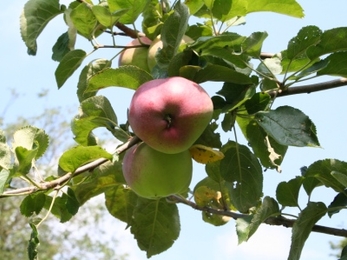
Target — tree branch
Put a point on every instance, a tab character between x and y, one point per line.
128	31
307	89
275	221
65	178
265	55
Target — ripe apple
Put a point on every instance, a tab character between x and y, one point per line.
152	174
170	114
156	44
136	56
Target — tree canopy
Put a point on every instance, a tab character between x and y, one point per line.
250	81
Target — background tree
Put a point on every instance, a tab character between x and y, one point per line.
220	57
58	241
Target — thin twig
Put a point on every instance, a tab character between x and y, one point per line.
266	55
128	31
307	89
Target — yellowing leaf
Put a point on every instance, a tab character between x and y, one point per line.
205	154
205	196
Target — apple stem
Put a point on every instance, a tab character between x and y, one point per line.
168	119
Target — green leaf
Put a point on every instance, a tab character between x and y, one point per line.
287	193
194	5
213	171
242	228
35	16
270	66
105	17
227	46
235	95
151	22
253	44
312	69
71	31
224	11
95	112
32	203
296	64
339	203
344	253
268	208
103	178
241	168
25	159
258	102
229	120
322	173
61	47
197	30
121	202
4	174
34	242
340	177
270	152
126	76
72	204
220	8
98	106
31	137
213	72
88	71
336	65
332	40
156	225
172	33
303	227
84	20
308	36
64	207
67	66
287	7
288	126
209	137
134	9
80	155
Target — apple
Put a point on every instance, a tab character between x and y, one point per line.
170	114
152	174
136	56
158	44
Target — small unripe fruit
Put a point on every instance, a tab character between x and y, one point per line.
152	174
136	56
158	44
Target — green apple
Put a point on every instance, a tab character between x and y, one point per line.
170	114
158	44
152	174
136	56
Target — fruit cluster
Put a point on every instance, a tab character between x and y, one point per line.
168	115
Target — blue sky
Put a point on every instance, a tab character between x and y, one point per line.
30	75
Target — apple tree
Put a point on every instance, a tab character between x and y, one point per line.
192	41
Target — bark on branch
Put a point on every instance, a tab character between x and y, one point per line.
307	89
275	221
